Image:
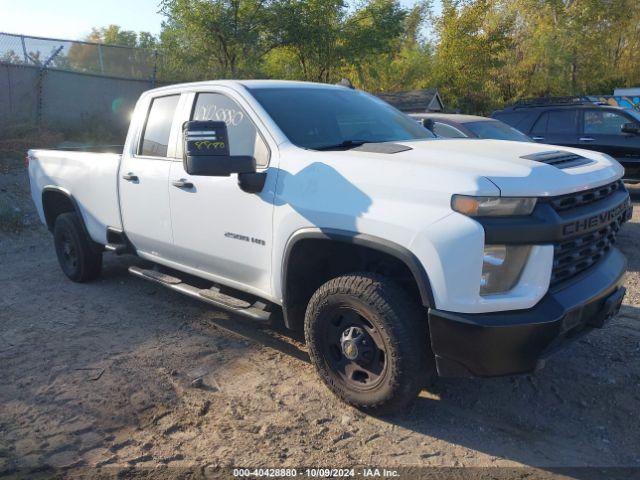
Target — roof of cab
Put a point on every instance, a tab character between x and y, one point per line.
286	83
247	84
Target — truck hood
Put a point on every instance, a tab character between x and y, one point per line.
501	162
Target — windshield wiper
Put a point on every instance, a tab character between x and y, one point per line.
346	144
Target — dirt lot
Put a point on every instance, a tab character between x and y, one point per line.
100	375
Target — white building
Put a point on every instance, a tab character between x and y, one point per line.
627	92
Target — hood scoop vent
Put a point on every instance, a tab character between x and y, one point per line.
382	148
559	159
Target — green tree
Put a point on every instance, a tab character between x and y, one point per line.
481	54
113	51
406	64
472	38
323	37
218	38
303	39
571	47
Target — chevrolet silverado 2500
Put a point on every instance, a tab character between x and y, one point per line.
401	256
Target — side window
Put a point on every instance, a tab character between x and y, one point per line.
157	128
603	122
244	138
563	122
511	118
539	128
447	131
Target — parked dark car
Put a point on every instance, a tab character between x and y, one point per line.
579	122
452	125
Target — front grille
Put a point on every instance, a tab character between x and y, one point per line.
572	200
579	253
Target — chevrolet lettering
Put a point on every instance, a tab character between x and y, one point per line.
592	223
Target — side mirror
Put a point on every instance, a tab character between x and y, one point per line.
631	127
428	124
206	151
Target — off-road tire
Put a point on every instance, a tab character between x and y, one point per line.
402	325
79	258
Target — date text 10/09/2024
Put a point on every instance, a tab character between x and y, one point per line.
316	472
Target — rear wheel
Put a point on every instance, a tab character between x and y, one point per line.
368	341
78	257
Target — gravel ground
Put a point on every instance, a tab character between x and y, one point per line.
99	378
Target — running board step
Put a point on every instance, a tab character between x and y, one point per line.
212	296
117	248
216	296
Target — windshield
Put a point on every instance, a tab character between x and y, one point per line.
322	118
496	130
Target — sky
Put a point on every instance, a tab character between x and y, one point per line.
73	19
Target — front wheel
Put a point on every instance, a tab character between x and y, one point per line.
368	341
78	258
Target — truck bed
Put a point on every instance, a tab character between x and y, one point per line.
90	178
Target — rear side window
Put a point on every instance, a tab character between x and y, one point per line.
540	127
447	131
563	122
244	138
155	136
515	119
496	130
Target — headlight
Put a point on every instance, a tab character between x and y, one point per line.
492	206
502	266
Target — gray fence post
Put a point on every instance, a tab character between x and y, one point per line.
41	75
24	49
100	59
155	69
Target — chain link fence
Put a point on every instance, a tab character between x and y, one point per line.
70	87
82	57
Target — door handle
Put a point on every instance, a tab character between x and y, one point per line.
537	139
182	183
586	139
131	177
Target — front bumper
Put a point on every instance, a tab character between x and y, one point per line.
513	342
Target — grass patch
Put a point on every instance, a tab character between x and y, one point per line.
11	217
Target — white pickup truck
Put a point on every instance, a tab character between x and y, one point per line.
402	256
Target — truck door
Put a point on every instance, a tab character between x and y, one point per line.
220	231
143	180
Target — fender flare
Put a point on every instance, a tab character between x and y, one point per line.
362	239
72	200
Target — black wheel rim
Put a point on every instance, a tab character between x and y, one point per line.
68	253
353	349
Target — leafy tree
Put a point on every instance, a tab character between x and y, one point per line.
10	56
324	38
407	62
313	33
305	39
104	54
113	35
471	38
571	47
481	54
221	38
